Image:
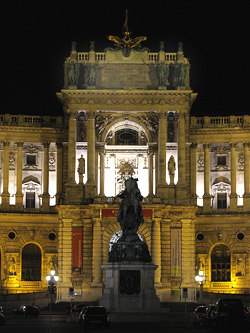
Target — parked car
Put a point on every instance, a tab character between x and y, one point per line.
246	311
94	316
76	308
228	311
2	319
26	310
199	315
208	315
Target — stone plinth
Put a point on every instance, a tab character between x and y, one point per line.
129	286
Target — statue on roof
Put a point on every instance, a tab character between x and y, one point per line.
127	43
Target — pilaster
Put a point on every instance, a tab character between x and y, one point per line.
45	195
90	186
246	195
181	187
233	195
5	195
19	173
207	197
156	250
161	186
59	172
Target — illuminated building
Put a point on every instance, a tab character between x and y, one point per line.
124	109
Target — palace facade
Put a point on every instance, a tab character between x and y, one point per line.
126	112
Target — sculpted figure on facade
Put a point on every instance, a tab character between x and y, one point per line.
171	169
11	266
91	74
72	72
81	168
181	72
162	73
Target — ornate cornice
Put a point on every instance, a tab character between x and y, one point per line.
120	97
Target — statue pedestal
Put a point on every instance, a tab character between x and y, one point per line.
129	287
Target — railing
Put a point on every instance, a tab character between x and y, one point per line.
170	57
24	120
83	57
231	121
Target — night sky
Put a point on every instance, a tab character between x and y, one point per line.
36	38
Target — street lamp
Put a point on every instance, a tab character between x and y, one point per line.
201	278
52	281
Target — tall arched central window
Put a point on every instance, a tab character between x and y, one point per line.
221	263
31	263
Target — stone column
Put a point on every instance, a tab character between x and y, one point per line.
193	170
150	174
45	196
156	249
246	195
162	140
90	186
102	174
233	195
19	176
72	148
97	253
59	173
5	194
181	188
206	197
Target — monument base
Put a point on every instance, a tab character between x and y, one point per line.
129	286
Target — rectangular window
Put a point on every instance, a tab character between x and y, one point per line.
221	200
30	199
221	160
31	159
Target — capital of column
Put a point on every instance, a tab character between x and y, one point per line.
162	114
19	144
193	145
6	143
206	145
90	114
46	144
232	144
59	145
181	114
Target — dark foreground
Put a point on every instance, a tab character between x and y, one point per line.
59	325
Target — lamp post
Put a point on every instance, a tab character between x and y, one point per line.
52	280
201	278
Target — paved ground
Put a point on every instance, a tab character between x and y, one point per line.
59	325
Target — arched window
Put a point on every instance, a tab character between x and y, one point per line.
221	263
126	136
31	263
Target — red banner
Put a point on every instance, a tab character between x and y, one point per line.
111	212
77	247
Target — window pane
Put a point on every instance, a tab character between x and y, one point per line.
30	199
31	263
221	160
126	137
221	200
31	159
221	263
